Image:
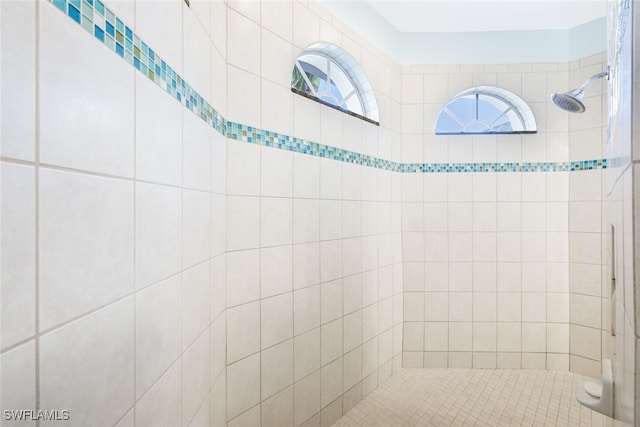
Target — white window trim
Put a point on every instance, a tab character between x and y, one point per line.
354	72
513	101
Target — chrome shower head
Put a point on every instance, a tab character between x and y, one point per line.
572	101
568	102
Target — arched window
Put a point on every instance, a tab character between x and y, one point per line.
328	74
485	110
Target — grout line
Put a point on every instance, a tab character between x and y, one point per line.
83	315
226	212
156	381
293	300
210	322
103	175
260	298
129	410
37	211
521	270
135	213
182	226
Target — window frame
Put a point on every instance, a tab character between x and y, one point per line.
522	111
361	88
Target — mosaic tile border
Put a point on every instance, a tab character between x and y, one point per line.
504	167
105	26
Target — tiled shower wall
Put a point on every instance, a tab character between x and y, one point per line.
588	283
503	269
126	265
314	264
113	201
184	278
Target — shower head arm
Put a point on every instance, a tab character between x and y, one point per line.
588	83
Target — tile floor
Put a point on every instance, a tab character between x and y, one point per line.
474	397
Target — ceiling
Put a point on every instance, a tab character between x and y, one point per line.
478	31
446	16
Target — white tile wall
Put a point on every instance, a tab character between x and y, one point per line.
98	83
277	368
158	139
196	227
113	315
243	40
525	235
18	253
243	387
162	27
243	93
249	418
195	302
158	233
218	62
278	410
82	218
196	60
277	319
19	80
306	398
243	222
276	218
162	404
195	377
196	153
243	169
305	311
98	352
19	378
158	309
277	50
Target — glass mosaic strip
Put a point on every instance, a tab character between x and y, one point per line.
253	135
503	167
99	21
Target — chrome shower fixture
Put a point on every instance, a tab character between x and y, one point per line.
572	101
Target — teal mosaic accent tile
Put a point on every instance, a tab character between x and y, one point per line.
104	25
503	167
99	7
60	4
